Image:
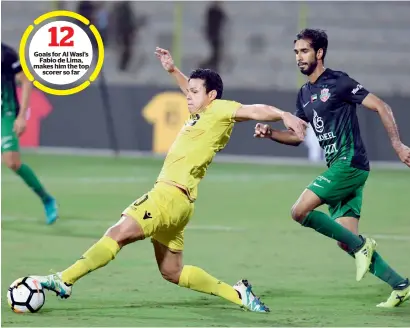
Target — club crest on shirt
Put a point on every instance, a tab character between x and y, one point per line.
324	95
193	119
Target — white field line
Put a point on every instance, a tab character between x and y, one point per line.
214	177
223	158
216	228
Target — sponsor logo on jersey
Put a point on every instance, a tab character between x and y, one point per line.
15	65
326	136
318	122
355	90
324	95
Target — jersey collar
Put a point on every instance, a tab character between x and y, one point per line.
321	76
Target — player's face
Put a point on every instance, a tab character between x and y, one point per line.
305	57
197	97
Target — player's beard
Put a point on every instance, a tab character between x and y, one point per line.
309	69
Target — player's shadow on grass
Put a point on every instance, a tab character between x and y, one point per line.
198	303
282	292
363	293
402	311
213	308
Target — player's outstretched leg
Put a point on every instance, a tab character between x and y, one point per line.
126	231
399	295
304	212
12	160
172	269
379	268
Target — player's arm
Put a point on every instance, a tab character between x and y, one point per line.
168	64
354	92
20	122
286	137
26	88
180	79
374	103
272	114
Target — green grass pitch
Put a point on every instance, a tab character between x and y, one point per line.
241	228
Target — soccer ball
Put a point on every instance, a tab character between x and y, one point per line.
26	295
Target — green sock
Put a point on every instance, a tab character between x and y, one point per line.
323	224
383	271
30	178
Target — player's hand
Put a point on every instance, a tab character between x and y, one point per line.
166	59
404	153
262	131
19	125
295	124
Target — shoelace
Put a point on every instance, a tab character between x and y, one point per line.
258	301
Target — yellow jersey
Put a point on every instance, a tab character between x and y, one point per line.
167	112
202	136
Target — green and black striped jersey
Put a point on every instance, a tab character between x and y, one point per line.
10	66
329	105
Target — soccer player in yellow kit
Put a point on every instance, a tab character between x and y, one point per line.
163	212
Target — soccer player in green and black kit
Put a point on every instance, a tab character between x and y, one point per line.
13	124
328	102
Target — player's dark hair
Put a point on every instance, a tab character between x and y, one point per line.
316	37
212	80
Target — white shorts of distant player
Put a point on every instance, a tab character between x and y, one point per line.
315	153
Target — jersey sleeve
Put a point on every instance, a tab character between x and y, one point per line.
227	109
351	90
299	110
13	62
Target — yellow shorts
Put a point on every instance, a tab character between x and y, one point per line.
163	214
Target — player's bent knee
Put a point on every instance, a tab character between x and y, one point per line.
298	214
125	231
13	166
12	163
171	275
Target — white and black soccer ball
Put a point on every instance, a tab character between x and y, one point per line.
26	295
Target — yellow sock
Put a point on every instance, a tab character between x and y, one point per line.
197	279
96	257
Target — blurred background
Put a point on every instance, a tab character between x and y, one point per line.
135	106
